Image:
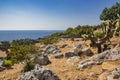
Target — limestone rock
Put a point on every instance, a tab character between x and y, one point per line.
64	45
108	55
70	54
50	48
57	55
86	51
72	59
41	59
77	48
39	73
1	65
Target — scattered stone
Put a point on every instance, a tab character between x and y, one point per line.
108	55
42	59
86	51
78	45
70	54
50	48
57	55
56	51
1	65
92	74
39	73
74	58
64	45
77	48
115	74
42	46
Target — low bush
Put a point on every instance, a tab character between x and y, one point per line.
29	65
8	63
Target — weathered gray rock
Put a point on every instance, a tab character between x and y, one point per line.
56	51
64	45
1	65
42	46
72	59
77	48
41	59
86	51
1	62
39	73
107	55
78	45
70	54
57	55
50	48
115	74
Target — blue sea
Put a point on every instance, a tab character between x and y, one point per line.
22	34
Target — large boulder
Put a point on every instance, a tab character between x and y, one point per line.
41	59
115	74
39	73
108	55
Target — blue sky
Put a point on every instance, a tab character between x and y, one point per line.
50	14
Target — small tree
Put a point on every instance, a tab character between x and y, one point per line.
110	29
110	13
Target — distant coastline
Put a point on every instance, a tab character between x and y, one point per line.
9	35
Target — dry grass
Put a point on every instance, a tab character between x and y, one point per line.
65	70
11	74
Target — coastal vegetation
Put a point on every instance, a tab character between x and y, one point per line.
24	50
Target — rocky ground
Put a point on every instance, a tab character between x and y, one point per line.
67	64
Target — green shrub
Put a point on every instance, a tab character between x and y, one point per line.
49	40
98	35
8	63
20	53
29	65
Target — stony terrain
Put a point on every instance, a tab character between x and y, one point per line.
65	61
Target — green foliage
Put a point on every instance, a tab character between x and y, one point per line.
85	37
8	63
20	53
110	13
4	45
98	35
78	31
29	65
22	42
48	40
53	38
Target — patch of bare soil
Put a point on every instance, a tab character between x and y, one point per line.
2	54
11	74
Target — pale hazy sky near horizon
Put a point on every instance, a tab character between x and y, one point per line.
50	14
